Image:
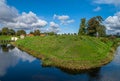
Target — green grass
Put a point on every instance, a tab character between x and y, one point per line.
5	37
71	52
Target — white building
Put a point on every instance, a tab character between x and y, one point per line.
14	38
22	36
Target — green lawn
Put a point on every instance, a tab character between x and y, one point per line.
5	37
71	51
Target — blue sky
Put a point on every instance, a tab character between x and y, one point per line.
60	16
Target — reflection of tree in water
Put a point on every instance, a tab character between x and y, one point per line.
7	47
94	75
11	47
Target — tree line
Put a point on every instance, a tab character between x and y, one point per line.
7	31
94	27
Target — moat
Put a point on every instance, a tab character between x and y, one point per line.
17	65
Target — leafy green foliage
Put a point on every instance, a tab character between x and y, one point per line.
31	32
11	32
20	32
95	26
82	30
101	30
36	32
5	31
51	33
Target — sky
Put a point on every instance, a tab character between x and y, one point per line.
60	16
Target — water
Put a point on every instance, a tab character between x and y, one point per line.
17	65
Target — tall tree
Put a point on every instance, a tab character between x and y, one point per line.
102	30
52	33
11	32
82	30
31	32
20	32
95	26
5	31
36	32
0	32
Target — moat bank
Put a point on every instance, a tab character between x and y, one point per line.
69	52
17	65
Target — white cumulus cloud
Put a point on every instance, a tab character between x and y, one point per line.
53	27
114	2
7	13
53	24
70	21
27	20
113	23
64	19
10	17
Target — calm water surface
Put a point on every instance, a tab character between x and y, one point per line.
16	65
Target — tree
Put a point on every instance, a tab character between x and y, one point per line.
11	32
31	32
95	26
36	32
52	33
117	34
102	31
5	31
0	32
20	32
82	30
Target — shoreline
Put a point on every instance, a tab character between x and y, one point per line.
58	64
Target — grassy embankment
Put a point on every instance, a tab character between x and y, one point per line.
69	52
5	37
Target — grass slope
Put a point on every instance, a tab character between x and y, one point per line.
5	37
71	52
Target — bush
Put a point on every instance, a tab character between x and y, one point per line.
105	40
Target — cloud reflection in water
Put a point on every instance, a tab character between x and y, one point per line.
11	58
